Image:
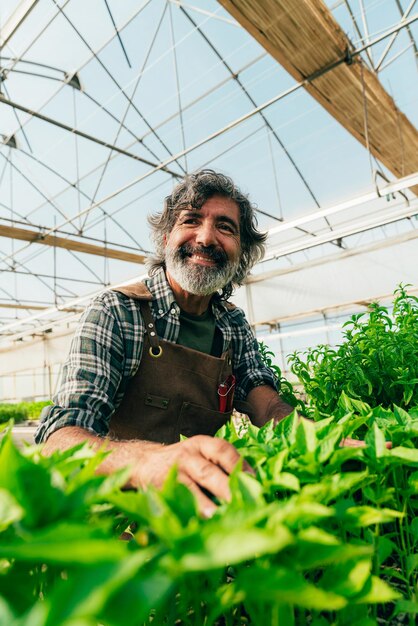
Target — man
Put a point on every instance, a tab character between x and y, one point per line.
158	359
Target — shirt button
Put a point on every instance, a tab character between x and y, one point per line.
160	311
173	311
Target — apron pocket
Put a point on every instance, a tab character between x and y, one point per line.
196	420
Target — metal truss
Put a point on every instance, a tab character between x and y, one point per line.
72	231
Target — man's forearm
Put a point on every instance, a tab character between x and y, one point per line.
203	463
267	404
121	454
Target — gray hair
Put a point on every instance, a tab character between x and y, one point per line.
193	191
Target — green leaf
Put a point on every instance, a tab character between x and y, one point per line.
328	444
316	548
401	415
221	546
378	592
411	564
414	530
64	543
406	606
111	483
180	499
117	593
245	489
266	432
347	579
287	428
10	510
274	465
376	444
285	586
231	431
26	480
139	597
299	512
286	481
6	614
385	547
133	503
349	404
361	516
408	456
343	456
306	437
331	487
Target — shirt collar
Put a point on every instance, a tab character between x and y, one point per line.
163	297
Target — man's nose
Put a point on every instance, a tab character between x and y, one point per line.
206	235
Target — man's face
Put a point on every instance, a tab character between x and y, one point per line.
203	249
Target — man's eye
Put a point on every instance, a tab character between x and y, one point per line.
227	227
190	220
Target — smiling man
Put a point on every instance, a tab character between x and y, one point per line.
171	356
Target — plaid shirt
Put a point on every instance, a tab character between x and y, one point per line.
107	347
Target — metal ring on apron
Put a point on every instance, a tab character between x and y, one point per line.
159	352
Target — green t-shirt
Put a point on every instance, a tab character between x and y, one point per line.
199	332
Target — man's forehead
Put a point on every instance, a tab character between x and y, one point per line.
218	205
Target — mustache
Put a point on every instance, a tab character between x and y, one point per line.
215	254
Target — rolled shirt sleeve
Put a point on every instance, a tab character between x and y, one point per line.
92	373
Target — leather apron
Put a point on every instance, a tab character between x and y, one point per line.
175	389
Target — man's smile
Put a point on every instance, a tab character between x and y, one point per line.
199	255
202	259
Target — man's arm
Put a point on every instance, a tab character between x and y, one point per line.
256	383
97	365
266	405
202	462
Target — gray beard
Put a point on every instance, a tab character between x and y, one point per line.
200	280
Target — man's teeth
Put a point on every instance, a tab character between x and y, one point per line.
202	258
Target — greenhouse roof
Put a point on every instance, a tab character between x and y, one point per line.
311	107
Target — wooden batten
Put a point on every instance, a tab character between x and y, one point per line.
23	234
37	307
305	39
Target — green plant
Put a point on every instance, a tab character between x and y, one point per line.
320	535
284	387
304	541
21	411
377	362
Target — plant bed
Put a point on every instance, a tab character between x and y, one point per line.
21	411
321	534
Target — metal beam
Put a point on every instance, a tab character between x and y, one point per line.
408	182
80	133
393	38
383	218
316	76
12	232
15	20
330	258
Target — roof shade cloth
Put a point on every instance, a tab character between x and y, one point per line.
305	39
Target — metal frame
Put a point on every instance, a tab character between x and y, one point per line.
51	235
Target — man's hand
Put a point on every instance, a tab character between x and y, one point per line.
204	463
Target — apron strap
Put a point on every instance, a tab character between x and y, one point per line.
155	349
